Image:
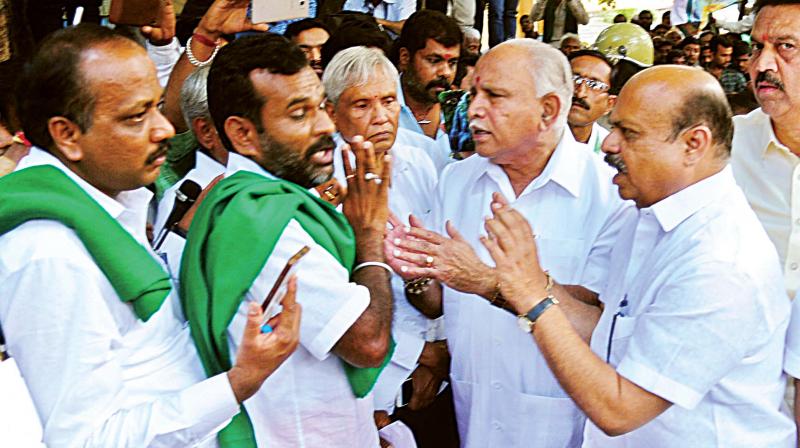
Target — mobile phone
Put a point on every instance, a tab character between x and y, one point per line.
134	12
277	10
279	288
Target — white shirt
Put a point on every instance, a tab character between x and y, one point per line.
595	142
410	133
504	392
704	322
204	171
308	400
391	10
413	192
769	174
97	374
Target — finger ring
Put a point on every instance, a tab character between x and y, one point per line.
329	195
371	176
429	260
349	176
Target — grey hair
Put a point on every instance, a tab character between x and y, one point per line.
471	33
568	36
194	96
354	66
551	73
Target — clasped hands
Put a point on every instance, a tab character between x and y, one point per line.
414	252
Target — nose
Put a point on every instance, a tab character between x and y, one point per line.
162	129
581	90
380	114
764	61
323	125
316	53
446	70
476	106
611	142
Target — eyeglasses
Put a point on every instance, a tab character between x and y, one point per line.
597	86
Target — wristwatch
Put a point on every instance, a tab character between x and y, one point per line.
526	321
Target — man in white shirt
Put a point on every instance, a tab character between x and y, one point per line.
766	146
269	109
689	348
362	100
100	372
592	100
390	14
428	52
504	392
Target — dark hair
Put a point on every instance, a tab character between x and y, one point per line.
741	48
230	91
673	54
720	41
620	16
428	24
761	4
645	11
661	43
706	33
660	27
595	54
464	60
295	28
622	71
354	33
524	16
688	40
54	85
713	110
666	14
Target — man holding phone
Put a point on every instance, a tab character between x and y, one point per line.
268	106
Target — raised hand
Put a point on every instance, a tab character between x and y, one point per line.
367	204
163	33
512	246
261	354
228	17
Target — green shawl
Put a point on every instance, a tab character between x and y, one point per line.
234	231
45	192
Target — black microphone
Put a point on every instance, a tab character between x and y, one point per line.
184	199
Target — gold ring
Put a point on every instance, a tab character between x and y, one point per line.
429	260
349	176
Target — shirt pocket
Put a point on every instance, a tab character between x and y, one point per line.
564	258
622	328
553	422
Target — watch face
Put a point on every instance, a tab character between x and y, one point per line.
524	324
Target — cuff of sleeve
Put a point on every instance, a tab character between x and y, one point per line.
211	403
658	384
338	325
161	50
407	349
791	362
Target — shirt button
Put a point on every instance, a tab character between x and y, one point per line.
496	385
797	221
496	425
793	266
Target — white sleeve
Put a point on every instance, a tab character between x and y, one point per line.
408	348
700	326
331	304
62	334
407	7
164	57
595	274
791	358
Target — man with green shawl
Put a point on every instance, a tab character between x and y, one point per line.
268	106
85	307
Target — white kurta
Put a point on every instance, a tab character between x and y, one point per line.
505	394
308	401
701	316
97	374
413	191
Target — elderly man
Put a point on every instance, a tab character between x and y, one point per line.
569	43
592	100
428	52
689	348
116	367
361	85
766	146
268	106
504	392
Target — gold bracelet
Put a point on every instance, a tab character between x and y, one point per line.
417	286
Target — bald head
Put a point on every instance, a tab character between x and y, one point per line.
680	97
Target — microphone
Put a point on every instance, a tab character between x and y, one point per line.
185	197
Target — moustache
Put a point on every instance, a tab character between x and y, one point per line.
316	64
438	82
616	162
580	102
163	149
770	78
324	143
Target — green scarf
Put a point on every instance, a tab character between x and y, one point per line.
231	237
45	192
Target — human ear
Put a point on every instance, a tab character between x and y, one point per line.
66	135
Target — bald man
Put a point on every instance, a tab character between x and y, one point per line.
688	349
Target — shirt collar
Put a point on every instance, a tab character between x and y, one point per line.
767	134
238	162
136	200
675	209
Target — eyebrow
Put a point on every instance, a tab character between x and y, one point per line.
304	99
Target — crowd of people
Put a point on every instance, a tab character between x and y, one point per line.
542	243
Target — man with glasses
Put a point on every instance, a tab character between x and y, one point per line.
591	100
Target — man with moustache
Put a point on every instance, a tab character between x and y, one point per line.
505	395
689	348
691	50
310	35
591	72
269	109
87	310
427	58
766	145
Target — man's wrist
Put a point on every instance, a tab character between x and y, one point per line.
207	33
244	385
